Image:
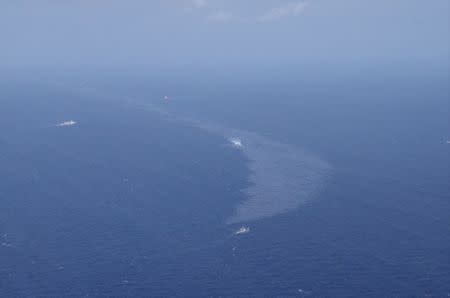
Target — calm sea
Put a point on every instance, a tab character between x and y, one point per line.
340	186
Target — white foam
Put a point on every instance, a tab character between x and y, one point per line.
66	123
303	292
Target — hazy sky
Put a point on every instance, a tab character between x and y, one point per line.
181	33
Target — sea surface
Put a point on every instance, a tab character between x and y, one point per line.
254	186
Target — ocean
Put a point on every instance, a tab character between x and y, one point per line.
248	186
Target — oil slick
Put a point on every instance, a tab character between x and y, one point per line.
283	177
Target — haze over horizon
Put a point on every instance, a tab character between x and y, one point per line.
220	34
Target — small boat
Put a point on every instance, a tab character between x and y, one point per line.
236	142
66	123
242	230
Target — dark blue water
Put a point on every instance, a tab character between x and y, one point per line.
133	202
